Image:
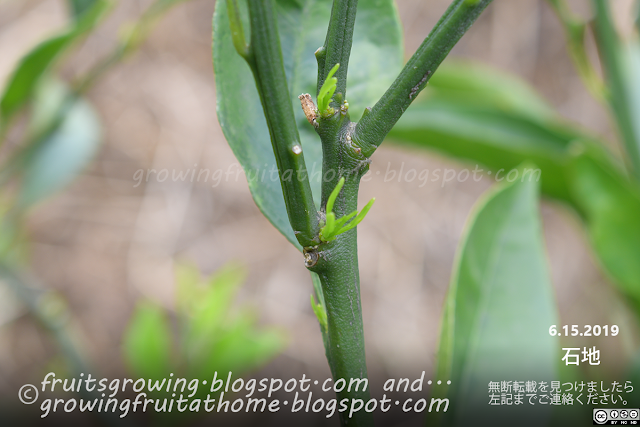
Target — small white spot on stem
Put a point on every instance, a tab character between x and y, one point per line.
297	149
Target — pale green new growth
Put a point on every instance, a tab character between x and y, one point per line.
325	95
333	227
320	312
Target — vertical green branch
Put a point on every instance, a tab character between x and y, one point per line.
613	58
335	259
376	124
51	313
336	263
337	45
271	81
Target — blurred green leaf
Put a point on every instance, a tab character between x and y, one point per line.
218	337
51	99
478	84
215	335
53	162
612	208
479	115
468	114
376	59
631	71
241	347
188	280
621	64
575	30
499	309
147	342
210	308
33	66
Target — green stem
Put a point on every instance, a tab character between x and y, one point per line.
52	320
135	36
55	320
237	32
337	45
336	263
272	86
376	124
574	31
611	51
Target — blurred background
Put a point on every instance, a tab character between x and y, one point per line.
110	240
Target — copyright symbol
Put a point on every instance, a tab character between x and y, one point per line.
28	394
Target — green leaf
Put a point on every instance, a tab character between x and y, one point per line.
498	310
612	213
630	71
53	162
332	227
620	62
33	66
242	347
480	115
210	306
325	95
147	342
375	62
217	336
480	84
50	100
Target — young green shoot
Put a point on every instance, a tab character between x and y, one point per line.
320	312
325	96
333	227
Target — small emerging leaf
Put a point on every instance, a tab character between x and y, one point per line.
320	312
334	195
333	228
358	219
325	96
